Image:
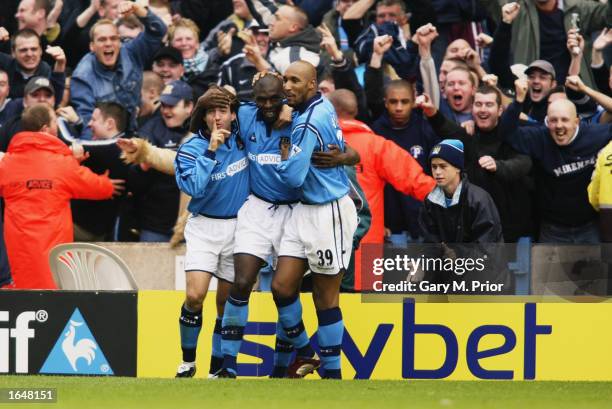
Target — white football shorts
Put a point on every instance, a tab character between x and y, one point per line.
210	246
322	234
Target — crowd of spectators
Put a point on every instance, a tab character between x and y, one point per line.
525	86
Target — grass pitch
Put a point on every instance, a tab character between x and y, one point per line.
94	392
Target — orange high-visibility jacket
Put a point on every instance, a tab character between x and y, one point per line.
382	161
38	177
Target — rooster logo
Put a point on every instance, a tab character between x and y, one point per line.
84	348
74	344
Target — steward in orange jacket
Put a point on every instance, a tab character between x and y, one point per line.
38	177
382	161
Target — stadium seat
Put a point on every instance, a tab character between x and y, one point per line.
522	266
86	266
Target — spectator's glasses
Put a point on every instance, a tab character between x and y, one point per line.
124	39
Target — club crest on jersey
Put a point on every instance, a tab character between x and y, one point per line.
416	151
295	150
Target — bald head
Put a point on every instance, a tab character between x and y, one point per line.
300	82
303	68
562	121
298	16
563	105
288	20
456	49
345	103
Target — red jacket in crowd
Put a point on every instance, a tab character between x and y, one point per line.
382	161
38	177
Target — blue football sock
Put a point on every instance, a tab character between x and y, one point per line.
283	352
216	358
190	324
235	319
329	335
290	317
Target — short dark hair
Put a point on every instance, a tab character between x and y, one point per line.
115	111
488	89
400	84
326	76
24	33
36	117
46	5
271	76
559	89
389	3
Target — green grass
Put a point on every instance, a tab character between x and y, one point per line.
86	392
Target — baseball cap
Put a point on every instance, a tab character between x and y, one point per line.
169	52
175	92
450	150
36	83
256	28
541	65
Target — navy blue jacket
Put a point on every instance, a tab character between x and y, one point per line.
418	138
156	194
12	108
563	172
403	55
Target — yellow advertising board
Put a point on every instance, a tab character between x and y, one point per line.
409	340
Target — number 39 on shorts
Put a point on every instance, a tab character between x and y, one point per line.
326	258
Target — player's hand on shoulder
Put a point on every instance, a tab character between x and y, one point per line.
285	146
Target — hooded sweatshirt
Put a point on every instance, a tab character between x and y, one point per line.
38	177
304	45
382	161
